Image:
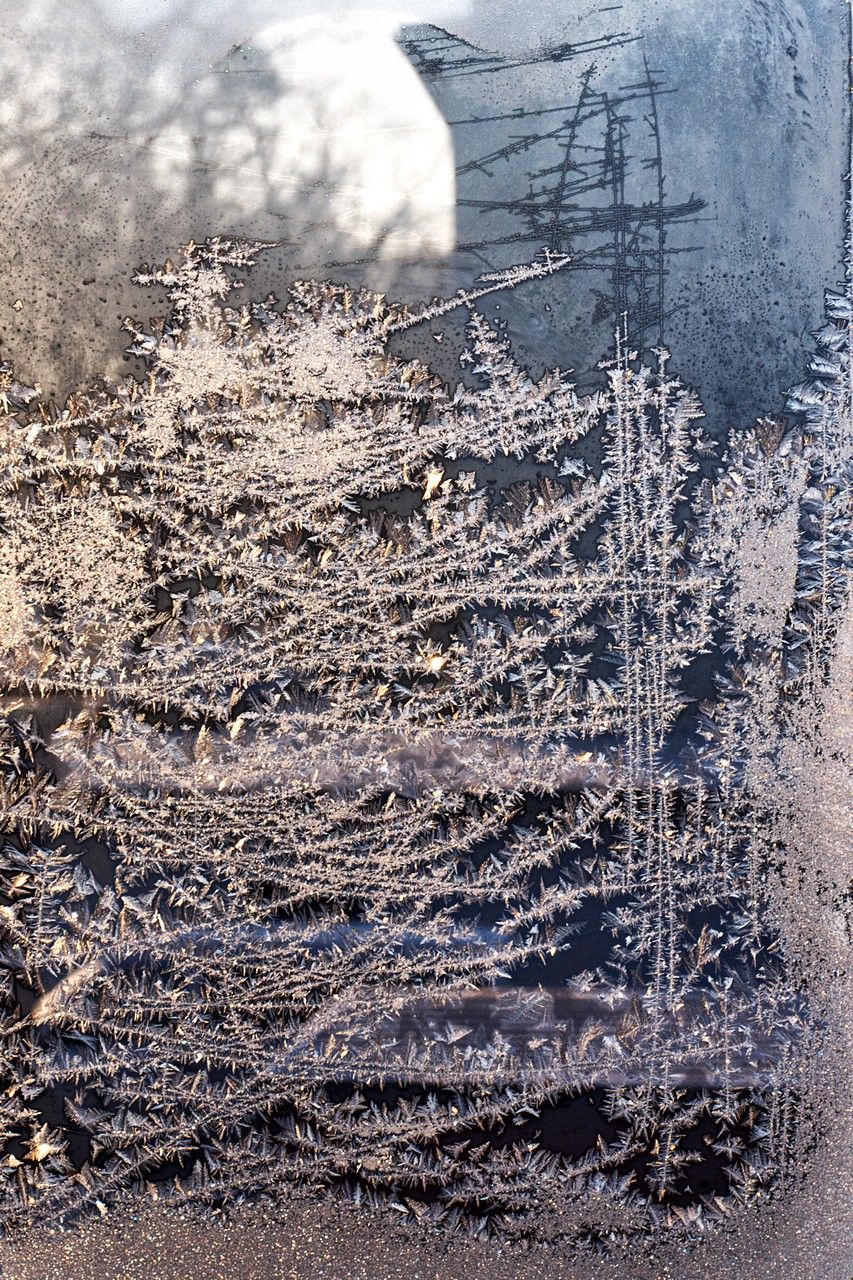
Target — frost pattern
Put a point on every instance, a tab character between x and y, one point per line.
363	822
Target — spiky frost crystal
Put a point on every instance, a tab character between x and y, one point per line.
328	766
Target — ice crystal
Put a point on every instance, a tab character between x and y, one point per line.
359	814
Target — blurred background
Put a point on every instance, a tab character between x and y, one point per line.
688	156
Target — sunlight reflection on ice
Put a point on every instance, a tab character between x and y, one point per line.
329	103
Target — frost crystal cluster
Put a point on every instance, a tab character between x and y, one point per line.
459	846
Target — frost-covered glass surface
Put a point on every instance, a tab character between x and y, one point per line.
426	767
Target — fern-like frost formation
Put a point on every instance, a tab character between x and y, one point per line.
463	848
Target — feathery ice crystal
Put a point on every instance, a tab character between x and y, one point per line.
362	819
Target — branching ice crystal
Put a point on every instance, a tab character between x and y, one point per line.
358	812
